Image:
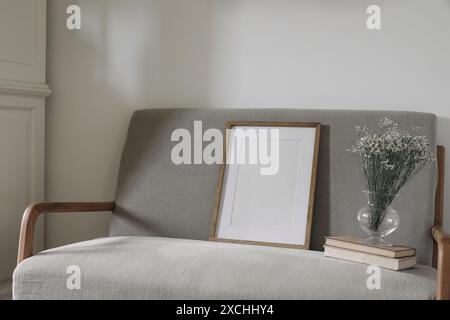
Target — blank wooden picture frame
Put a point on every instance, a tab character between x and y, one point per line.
272	210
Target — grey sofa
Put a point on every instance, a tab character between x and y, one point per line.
157	246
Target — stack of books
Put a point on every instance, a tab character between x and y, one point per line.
352	249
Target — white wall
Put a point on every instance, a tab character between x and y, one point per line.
225	53
22	105
99	75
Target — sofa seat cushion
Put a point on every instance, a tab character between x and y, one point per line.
165	268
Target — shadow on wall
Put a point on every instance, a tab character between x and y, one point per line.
126	38
98	76
186	38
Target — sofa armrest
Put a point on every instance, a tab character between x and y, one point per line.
35	210
443	262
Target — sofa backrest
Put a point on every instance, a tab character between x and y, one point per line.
155	197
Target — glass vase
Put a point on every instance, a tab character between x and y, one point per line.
378	218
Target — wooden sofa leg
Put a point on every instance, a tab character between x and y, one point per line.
443	270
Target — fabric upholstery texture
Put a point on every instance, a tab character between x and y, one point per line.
167	268
158	198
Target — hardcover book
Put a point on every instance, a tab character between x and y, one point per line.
370	259
353	243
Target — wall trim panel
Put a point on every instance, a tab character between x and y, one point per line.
24	88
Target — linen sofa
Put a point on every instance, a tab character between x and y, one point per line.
157	246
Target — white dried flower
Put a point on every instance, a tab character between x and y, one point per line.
385	122
390	159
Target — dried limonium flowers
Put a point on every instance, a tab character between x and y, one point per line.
388	161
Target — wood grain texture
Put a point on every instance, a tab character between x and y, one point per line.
443	263
32	213
439	197
441	246
219	189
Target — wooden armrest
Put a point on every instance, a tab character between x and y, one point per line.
443	262
35	210
439	234
441	247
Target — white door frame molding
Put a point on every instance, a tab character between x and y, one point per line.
24	88
22	55
23	91
36	107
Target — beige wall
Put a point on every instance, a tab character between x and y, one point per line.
219	53
98	76
22	105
